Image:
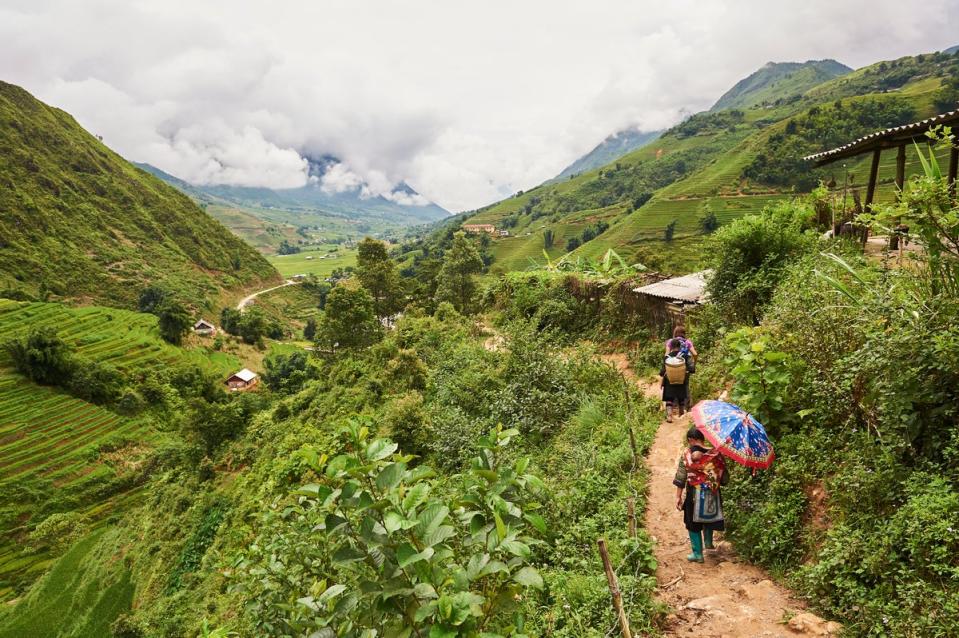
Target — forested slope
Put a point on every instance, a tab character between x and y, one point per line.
77	221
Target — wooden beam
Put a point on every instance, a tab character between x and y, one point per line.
900	169
873	175
953	167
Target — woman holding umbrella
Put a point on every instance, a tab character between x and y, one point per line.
701	472
733	433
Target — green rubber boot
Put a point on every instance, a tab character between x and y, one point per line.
708	539
696	540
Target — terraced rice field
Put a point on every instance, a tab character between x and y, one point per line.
48	438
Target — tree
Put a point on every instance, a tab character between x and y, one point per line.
455	279
309	330
572	244
669	231
378	275
42	357
708	222
548	238
174	320
349	322
253	326
230	320
288	372
151	298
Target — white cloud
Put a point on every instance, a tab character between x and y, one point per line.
465	102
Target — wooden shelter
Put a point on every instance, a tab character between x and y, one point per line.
242	380
897	137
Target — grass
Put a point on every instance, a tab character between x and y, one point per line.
81	223
48	438
80	596
321	262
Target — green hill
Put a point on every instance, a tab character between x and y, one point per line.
779	81
79	222
733	161
49	440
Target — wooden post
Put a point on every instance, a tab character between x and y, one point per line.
953	168
631	514
894	238
900	169
873	175
632	444
614	590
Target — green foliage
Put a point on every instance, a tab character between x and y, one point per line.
749	255
349	321
455	281
669	231
82	223
197	544
394	555
309	330
548	238
828	126
761	377
174	320
287	373
59	531
708	222
377	274
42	356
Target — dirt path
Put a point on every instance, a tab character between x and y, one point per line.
724	597
246	301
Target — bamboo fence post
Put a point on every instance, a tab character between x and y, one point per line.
632	444
614	590
631	512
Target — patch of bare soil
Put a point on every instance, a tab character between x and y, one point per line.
725	596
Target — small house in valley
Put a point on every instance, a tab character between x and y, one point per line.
475	229
204	327
242	380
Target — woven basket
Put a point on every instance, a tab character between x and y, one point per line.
675	370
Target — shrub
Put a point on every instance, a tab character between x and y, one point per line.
58	531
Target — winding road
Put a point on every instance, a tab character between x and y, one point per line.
249	298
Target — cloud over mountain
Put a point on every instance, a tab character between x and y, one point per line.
466	103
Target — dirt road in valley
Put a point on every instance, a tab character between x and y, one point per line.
723	597
246	301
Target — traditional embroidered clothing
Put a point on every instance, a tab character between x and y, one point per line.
706	474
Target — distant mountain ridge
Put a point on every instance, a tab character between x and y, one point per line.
779	80
610	149
952	50
79	222
405	206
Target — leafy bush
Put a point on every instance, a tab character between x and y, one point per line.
748	257
393	554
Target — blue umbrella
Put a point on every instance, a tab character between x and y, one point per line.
734	432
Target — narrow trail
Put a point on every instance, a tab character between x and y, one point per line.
725	596
246	301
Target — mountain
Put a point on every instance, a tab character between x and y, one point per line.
952	50
729	162
610	149
402	206
779	80
77	221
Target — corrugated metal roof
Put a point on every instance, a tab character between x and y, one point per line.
690	288
867	141
245	375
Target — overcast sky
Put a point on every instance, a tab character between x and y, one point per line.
466	101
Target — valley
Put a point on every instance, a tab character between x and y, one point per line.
338	410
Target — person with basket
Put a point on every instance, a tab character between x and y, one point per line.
675	370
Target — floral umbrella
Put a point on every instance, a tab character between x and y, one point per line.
734	432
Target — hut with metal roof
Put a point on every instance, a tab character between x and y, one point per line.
897	137
666	302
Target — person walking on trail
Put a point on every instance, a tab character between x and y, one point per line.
675	371
701	473
689	350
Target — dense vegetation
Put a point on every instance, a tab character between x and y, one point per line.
79	222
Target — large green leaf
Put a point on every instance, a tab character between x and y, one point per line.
390	476
529	577
407	555
380	449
